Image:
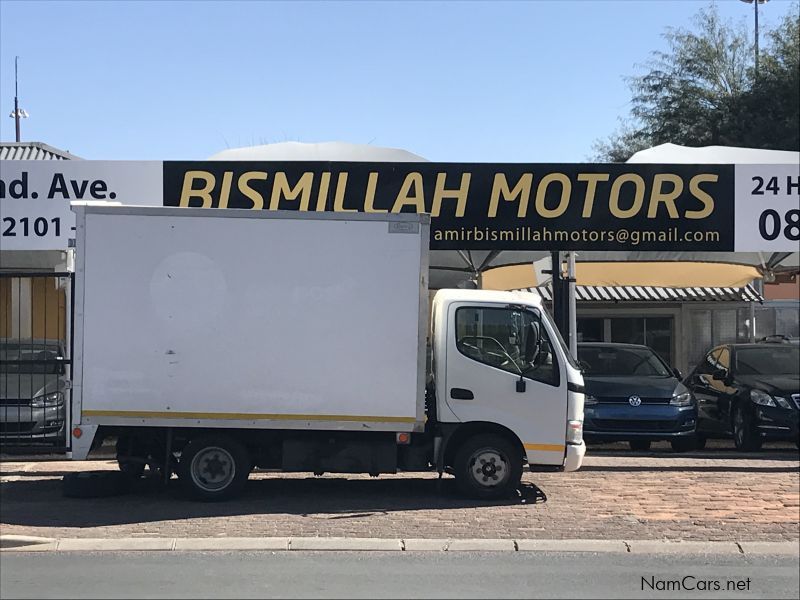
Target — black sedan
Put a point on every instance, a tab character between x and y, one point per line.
749	391
633	395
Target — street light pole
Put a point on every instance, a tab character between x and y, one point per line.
755	4
16	98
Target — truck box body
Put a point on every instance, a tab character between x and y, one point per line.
250	319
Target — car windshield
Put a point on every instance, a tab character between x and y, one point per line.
609	361
43	358
771	360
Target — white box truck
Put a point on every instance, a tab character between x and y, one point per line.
211	342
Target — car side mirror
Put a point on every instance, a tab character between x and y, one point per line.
719	375
677	373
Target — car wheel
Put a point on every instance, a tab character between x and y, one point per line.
639	445
95	484
213	468
684	444
700	441
488	467
745	436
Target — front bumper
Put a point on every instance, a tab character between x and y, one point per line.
574	456
778	423
25	423
622	422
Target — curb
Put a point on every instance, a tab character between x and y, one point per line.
20	543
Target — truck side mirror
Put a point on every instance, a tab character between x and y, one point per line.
532	342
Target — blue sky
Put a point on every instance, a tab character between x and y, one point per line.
451	81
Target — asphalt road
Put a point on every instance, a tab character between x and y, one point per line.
392	575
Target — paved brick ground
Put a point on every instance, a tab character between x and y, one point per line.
713	495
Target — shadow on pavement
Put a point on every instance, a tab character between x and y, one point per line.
39	502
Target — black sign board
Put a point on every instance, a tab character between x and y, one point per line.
489	206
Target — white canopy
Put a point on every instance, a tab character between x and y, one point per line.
709	155
337	151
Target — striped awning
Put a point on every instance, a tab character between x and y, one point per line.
635	293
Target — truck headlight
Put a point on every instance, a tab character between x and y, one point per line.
683	399
574	432
51	400
764	399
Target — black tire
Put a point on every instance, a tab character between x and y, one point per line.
639	445
213	468
95	484
684	444
501	469
745	435
700	441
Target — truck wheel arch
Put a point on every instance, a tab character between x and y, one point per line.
459	434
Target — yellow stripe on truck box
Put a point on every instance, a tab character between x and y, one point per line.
126	414
544	447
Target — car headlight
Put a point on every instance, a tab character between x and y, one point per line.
589	400
764	399
681	399
51	400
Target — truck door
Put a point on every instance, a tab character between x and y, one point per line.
486	352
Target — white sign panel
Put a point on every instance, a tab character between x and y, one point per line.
767	208
35	196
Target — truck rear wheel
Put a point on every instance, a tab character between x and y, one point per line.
213	468
488	466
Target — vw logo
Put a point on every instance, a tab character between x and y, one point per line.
634	400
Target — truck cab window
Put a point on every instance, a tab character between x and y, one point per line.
505	338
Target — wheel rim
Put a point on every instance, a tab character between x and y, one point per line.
489	468
212	469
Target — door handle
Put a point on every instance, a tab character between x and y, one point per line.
461	394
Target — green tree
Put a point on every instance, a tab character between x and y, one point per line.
703	91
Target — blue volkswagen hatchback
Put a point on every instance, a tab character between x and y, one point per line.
633	395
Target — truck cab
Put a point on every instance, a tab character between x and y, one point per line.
506	386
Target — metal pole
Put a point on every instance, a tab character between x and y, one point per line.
756	9
16	99
572	313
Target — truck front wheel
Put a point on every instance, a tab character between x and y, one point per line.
488	466
213	468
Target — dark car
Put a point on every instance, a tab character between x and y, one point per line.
633	395
749	391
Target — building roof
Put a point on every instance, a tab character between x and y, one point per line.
636	293
33	151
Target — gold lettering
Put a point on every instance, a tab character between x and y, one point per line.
668	198
638	200
369	195
591	190
541	192
187	193
417	199
225	192
281	188
441	193
255	197
338	198
322	196
704	197
500	188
